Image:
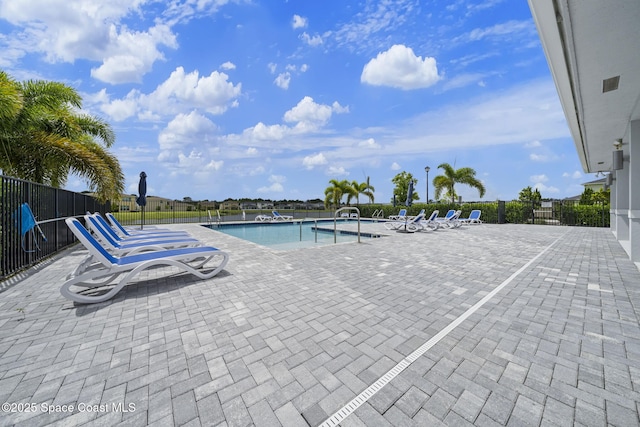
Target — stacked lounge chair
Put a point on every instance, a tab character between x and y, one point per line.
98	272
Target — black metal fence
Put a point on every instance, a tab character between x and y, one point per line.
50	207
178	212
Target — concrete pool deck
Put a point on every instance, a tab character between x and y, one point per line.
485	325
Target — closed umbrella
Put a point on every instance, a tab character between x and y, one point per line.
141	200
409	194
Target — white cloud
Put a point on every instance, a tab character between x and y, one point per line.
186	129
66	31
546	189
132	54
375	25
308	115
533	144
399	67
574	175
252	151
395	166
272	67
277	178
258	170
262	132
500	30
298	22
369	143
311	40
539	157
339	109
228	66
213	93
336	171
121	109
538	178
179	93
276	185
214	165
315	160
283	80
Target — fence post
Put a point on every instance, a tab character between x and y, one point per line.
501	212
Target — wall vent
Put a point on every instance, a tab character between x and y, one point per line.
610	84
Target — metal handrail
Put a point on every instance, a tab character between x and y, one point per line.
335	216
210	218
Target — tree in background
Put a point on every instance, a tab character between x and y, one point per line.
364	188
528	194
590	197
401	181
333	193
44	138
446	182
586	196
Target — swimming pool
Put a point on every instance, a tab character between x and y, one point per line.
290	235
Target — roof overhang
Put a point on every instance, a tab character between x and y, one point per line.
593	51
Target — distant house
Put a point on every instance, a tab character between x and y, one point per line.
127	203
596	185
263	204
229	205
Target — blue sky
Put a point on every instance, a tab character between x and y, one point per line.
219	99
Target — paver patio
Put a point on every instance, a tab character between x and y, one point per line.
289	337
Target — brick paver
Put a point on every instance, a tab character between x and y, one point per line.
288	337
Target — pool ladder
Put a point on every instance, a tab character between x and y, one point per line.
211	220
335	217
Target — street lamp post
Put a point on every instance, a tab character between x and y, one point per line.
427	169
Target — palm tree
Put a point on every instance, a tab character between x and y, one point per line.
334	193
363	188
44	138
453	176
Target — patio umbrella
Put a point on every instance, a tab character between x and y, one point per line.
409	194
141	200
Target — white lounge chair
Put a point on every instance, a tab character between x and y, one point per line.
430	223
264	218
409	225
278	217
142	234
128	231
400	216
101	268
474	217
419	213
110	240
450	220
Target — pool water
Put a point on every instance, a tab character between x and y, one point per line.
289	235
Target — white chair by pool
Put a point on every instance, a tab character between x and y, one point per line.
264	218
128	231
401	215
101	268
430	223
409	225
119	235
450	220
278	217
112	242
474	217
